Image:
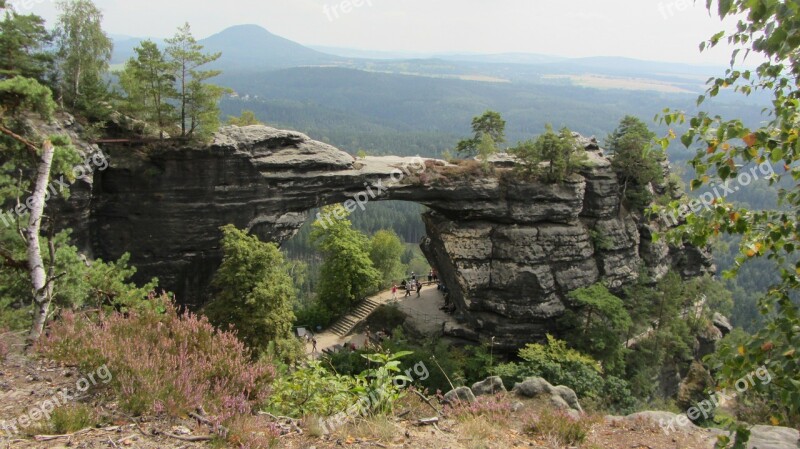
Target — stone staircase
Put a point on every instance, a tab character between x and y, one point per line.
348	322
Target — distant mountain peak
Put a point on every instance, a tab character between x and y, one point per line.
255	47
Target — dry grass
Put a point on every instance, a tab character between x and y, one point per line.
477	432
381	428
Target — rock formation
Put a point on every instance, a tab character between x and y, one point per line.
508	251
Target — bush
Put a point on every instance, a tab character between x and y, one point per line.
560	365
72	418
163	363
561	426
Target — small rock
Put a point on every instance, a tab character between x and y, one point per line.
460	394
181	430
490	386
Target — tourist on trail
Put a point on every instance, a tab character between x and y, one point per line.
413	277
408	290
430	277
394	292
419	289
435	276
314	345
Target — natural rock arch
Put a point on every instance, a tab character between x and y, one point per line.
508	251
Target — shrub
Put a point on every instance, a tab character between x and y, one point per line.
497	408
560	426
163	362
72	418
558	364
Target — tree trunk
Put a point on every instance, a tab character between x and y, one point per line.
42	287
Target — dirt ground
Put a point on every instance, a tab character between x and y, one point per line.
26	383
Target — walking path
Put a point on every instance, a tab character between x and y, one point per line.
423	312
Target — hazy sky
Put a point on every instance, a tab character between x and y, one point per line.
665	30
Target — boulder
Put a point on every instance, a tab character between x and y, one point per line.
569	396
722	323
459	395
695	387
490	386
560	397
533	387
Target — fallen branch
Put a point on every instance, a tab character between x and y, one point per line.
427	421
70	435
189	439
427	401
292	423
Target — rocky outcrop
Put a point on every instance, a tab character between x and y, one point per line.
761	437
560	397
507	250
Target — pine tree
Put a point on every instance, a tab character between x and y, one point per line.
23	43
149	82
197	99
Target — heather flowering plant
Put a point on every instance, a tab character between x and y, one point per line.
164	363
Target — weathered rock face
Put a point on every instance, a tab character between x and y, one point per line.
508	251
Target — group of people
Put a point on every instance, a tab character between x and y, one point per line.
414	285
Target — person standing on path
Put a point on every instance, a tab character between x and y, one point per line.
394	292
430	277
408	290
313	345
419	288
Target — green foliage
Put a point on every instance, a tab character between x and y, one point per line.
635	161
314	391
486	149
561	365
198	110
246	118
490	125
148	82
24	41
347	274
385	250
558	364
380	384
551	157
254	294
72	418
599	326
725	150
84	51
20	94
311	390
